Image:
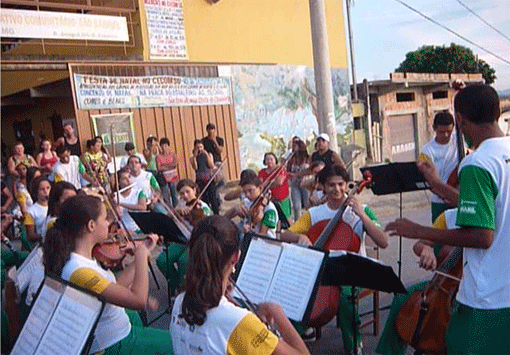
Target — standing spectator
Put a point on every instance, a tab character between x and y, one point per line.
212	143
202	162
19	156
442	152
150	154
166	163
130	150
69	140
325	154
280	185
47	158
298	166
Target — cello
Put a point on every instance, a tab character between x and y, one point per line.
424	317
333	234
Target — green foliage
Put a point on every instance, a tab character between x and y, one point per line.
442	59
278	146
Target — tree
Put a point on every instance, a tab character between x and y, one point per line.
442	59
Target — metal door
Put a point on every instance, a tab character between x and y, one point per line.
402	138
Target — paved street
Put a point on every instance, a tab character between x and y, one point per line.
416	208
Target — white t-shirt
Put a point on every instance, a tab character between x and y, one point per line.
228	329
444	157
113	325
145	181
484	202
68	172
36	215
132	199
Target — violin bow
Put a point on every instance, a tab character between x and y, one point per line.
114	162
178	222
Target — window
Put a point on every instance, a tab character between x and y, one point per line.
405	96
441	94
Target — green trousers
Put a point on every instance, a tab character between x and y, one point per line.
478	331
143	341
172	263
344	318
389	342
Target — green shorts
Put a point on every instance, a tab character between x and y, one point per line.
478	331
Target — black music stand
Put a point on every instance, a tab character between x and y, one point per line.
160	224
396	178
349	269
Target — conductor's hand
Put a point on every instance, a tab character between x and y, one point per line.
403	227
428	260
429	171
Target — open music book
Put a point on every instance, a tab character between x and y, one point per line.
30	274
61	321
286	274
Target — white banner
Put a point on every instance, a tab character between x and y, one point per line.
165	27
62	25
97	92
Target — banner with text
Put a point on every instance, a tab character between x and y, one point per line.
165	29
62	25
97	92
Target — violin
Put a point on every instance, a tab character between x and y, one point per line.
196	213
423	318
256	210
333	234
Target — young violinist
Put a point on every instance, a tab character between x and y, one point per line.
204	318
68	254
360	218
60	192
481	317
176	252
280	185
131	198
258	213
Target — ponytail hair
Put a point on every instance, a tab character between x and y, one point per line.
60	241
213	242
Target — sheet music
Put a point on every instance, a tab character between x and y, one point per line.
258	269
60	321
294	279
73	318
30	266
37	321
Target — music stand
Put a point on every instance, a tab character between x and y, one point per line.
396	178
160	224
349	269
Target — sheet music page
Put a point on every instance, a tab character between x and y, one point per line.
37	321
294	279
30	266
71	323
258	268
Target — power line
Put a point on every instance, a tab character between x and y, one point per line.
453	32
481	19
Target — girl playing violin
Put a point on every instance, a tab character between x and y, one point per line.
202	316
261	217
68	253
280	185
176	253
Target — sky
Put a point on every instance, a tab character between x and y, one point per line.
385	30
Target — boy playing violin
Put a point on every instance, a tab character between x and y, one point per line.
359	217
259	214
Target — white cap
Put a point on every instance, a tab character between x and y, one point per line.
324	136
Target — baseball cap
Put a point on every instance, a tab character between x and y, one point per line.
323	136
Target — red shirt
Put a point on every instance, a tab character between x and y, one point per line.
281	192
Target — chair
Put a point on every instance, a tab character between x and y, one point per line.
373	315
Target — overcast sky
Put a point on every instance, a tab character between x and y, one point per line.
384	31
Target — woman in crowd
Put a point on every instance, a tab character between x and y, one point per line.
68	253
47	158
204	318
203	162
166	163
36	214
19	156
298	167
